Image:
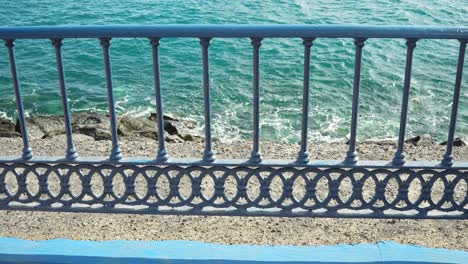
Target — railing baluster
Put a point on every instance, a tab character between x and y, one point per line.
27	151
303	156
351	156
399	157
116	153
71	151
448	158
208	155
162	152
256	156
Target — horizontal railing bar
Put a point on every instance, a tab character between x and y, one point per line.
235	31
387	164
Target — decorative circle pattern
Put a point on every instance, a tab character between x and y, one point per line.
235	190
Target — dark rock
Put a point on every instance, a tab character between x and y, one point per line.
176	130
42	126
6	124
420	140
170	118
181	127
154	117
8	128
191	137
97	126
457	142
175	126
9	134
93	125
170	128
413	140
148	134
188	137
90	124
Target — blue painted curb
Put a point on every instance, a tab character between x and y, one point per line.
14	250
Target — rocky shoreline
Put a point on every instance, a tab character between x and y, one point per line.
176	130
97	126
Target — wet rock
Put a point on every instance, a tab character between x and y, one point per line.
170	128
137	126
148	134
176	130
195	138
413	140
93	125
174	125
42	126
181	127
188	137
7	128
154	117
420	140
9	134
97	126
457	142
6	124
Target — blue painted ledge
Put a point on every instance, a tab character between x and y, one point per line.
14	250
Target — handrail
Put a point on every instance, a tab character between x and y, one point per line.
235	31
347	176
277	163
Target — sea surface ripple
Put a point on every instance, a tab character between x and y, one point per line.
231	66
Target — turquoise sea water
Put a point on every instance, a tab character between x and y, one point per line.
231	63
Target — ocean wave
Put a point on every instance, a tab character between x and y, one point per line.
281	68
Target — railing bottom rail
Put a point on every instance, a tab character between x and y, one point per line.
364	190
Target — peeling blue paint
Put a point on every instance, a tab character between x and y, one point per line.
14	250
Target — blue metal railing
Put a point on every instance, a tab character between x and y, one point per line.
404	173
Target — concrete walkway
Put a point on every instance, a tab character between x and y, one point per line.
14	250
